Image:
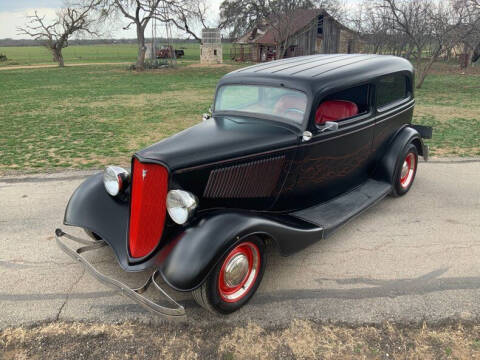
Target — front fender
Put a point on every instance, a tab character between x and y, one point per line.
91	208
201	246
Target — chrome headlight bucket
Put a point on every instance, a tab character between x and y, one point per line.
181	205
115	179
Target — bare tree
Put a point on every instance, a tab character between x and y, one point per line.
184	14
470	31
475	3
376	30
74	19
139	13
431	29
179	13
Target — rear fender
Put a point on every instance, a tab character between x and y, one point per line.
199	248
386	168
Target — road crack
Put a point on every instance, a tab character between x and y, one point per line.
69	292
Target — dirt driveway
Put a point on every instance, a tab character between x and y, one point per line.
41	66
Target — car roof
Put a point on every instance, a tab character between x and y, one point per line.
315	72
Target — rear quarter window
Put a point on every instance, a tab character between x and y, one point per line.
391	89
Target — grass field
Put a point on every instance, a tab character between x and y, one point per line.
451	104
30	55
89	116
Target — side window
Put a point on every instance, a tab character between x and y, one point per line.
391	88
343	105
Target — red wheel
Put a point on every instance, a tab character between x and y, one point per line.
239	272
406	170
235	278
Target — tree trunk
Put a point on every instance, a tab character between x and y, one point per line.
424	72
140	64
58	57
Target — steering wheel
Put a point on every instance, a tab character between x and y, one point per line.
293	110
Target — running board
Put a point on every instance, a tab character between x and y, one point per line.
336	212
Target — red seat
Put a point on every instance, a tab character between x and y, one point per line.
335	110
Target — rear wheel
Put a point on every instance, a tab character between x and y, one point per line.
406	170
235	278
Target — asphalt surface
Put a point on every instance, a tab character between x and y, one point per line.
409	259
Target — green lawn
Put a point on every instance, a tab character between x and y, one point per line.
29	55
451	104
92	115
89	116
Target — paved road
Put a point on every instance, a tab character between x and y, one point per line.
406	259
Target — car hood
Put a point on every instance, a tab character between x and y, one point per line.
220	138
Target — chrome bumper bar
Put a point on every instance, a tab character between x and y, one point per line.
175	313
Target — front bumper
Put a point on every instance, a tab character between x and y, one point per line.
175	313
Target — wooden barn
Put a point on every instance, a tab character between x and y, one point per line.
311	31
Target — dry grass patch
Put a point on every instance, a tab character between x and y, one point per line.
447	113
308	340
301	339
199	65
148	99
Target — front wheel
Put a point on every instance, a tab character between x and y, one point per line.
235	278
406	170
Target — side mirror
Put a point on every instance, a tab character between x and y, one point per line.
329	126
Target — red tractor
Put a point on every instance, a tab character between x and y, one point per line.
167	52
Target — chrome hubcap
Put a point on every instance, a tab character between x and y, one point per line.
236	270
404	169
239	272
408	170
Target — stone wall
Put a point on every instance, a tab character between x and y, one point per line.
211	54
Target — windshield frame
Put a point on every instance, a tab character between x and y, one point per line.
250	114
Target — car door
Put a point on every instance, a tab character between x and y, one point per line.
332	161
394	102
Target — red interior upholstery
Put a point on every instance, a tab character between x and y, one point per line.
334	110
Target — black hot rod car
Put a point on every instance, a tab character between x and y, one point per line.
293	149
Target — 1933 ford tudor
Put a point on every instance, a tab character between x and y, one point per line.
293	149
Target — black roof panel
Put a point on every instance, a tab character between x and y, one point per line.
314	71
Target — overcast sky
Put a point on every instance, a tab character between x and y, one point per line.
13	14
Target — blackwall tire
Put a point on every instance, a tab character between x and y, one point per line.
405	171
234	279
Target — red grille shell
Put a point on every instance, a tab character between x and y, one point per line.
148	207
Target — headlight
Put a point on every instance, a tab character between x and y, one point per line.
180	205
115	179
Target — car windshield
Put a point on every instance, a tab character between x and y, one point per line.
278	102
